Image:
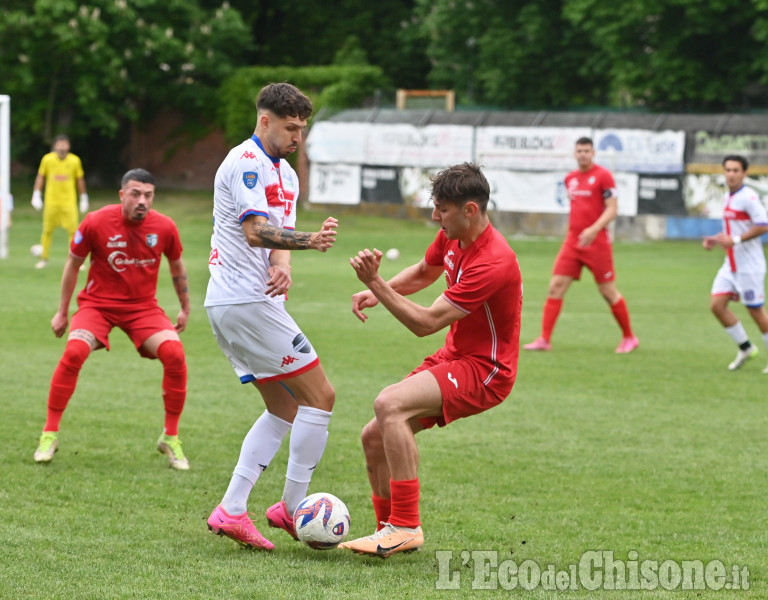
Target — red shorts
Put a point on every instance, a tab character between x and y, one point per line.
138	324
461	386
597	257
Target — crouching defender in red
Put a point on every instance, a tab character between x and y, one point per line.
126	242
472	372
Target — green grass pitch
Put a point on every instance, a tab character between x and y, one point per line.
660	455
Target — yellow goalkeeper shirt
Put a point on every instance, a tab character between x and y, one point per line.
61	178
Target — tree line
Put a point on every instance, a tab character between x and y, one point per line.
96	68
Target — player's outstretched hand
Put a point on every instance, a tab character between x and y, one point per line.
59	324
181	321
366	264
324	239
708	242
279	280
361	301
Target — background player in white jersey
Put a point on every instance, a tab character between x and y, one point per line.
742	275
255	195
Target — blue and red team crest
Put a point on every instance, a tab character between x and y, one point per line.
151	240
305	514
249	179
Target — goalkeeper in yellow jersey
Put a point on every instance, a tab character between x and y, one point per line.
62	174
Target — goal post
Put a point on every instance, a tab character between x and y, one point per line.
6	199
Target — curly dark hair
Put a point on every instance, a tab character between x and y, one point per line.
460	184
284	100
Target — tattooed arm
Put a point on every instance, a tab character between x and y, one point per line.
260	234
181	285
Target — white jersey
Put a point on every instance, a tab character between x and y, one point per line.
248	182
743	209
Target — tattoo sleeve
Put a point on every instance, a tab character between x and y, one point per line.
277	238
181	285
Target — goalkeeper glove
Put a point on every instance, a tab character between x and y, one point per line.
37	200
83	203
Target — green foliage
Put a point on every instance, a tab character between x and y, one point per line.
331	87
680	55
92	68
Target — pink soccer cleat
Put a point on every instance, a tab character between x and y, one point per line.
239	528
538	344
278	516
627	345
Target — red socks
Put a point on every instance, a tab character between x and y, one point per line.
64	381
405	503
382	507
171	354
621	314
551	311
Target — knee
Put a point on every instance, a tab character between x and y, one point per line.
371	438
329	396
75	354
171	354
385	407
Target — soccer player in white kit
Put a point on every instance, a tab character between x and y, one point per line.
255	196
742	275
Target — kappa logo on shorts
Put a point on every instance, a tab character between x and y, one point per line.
250	178
301	344
288	360
453	380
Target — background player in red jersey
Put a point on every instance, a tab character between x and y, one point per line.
594	205
472	372
126	242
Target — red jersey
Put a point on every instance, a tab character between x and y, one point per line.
588	192
484	282
125	256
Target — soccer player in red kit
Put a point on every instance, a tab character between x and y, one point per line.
594	205
126	242
473	372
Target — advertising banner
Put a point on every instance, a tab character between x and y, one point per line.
711	149
406	145
334	183
546	193
640	151
329	142
380	184
527	148
660	195
521	191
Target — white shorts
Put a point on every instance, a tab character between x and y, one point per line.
747	287
262	341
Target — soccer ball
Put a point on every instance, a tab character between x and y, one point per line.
36	250
392	254
321	521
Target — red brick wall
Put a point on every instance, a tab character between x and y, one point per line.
175	158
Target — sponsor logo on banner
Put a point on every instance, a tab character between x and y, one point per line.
640	151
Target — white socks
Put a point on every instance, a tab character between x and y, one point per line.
259	447
308	439
737	333
309	435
